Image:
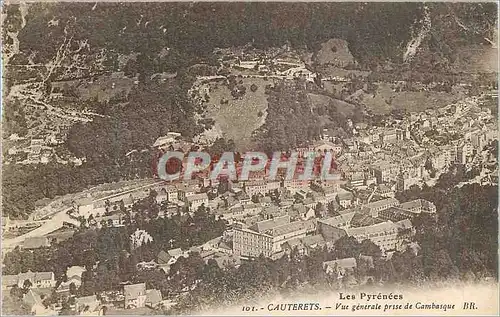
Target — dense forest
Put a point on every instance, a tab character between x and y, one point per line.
375	31
290	122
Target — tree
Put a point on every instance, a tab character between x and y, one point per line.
16	292
367	247
347	247
332	209
319	210
72	288
27	285
12	305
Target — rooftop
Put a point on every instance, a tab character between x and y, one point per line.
382	203
338	220
265	225
346	263
291	227
418	203
386	226
202	196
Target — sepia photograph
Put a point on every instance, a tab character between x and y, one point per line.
249	158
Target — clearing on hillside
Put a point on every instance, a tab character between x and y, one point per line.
385	100
238	118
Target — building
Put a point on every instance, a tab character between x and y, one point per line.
252	209
405	181
374	207
340	221
395	214
406	232
385	172
384	234
162	196
419	205
135	295
266	237
340	267
37	280
74	275
170	257
84	206
294	185
261	187
357	181
389	136
334	228
345	199
153	298
115	221
172	192
324	146
196	200
385	191
304	245
186	190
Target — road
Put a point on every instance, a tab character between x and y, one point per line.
57	220
54	223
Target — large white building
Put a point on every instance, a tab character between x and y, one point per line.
266	237
384	234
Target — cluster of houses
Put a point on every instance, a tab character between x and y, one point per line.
38	150
387	223
37	286
415	149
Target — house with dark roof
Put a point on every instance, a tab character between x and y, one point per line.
363	219
395	214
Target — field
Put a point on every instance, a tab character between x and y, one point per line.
385	100
239	117
106	87
343	107
335	52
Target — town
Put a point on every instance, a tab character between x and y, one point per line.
275	218
175	158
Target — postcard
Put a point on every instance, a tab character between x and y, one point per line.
249	158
